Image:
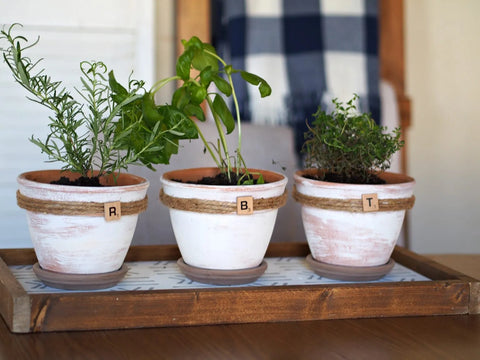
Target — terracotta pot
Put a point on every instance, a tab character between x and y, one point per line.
222	241
349	238
80	244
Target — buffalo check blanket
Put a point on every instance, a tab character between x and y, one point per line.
309	51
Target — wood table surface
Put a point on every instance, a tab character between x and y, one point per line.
429	337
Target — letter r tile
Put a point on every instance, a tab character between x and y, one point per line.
112	211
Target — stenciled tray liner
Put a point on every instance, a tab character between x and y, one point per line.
166	275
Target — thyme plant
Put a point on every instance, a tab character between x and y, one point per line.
108	127
348	146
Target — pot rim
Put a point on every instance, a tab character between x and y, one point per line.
276	178
41	179
391	178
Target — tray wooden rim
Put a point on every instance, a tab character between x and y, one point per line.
449	292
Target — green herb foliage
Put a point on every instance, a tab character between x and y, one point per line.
109	127
197	68
349	146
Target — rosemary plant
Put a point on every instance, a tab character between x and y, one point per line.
108	127
349	146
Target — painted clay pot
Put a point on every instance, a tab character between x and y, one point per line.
358	236
222	240
68	226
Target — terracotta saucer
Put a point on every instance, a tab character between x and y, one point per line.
222	277
350	273
79	281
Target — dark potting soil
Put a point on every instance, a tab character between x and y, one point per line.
81	181
333	177
220	179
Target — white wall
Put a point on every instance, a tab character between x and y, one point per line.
443	80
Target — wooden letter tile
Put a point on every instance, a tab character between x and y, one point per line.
244	205
370	202
113	211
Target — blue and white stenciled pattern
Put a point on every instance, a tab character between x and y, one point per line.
165	275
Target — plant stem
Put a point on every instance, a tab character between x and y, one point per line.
161	83
223	140
237	110
207	146
239	126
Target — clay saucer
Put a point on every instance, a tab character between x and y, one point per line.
349	273
222	277
79	281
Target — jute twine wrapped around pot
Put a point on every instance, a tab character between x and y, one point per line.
77	208
352	205
220	207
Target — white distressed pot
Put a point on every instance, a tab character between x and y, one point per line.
80	244
352	238
222	241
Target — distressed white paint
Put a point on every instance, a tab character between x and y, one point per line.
81	244
222	241
348	238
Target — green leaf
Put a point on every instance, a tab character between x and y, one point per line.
206	76
202	60
222	85
222	110
198	56
176	133
263	87
260	179
171	145
246	182
195	110
197	93
184	64
181	97
115	86
154	149
209	47
193	43
177	120
150	112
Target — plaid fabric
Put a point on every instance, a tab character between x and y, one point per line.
310	51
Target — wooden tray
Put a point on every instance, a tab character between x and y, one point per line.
449	292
